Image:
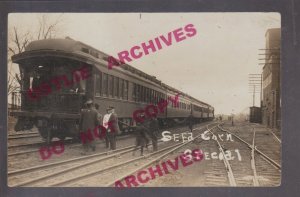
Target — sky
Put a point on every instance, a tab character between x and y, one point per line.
212	66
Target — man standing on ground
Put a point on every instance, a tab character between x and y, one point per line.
190	122
88	121
153	130
141	139
110	122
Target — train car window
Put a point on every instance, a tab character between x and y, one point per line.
125	96
142	94
85	50
152	96
98	84
121	88
110	85
104	84
134	92
116	87
161	97
145	94
138	93
147	97
158	97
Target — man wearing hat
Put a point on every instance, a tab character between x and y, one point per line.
140	131
152	126
110	122
88	121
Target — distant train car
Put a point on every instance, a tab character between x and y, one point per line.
52	63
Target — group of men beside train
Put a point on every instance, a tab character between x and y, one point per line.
91	118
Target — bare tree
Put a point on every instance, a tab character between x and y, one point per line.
18	39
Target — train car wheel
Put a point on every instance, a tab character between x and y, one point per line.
62	137
46	134
49	136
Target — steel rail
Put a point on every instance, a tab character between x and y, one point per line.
80	177
72	145
253	166
22	136
26	170
36	144
74	167
276	137
267	158
230	175
157	159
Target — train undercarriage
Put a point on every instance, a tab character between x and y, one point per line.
60	125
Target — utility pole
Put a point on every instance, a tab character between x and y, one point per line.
254	95
255	85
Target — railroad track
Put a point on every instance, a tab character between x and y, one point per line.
30	132
68	141
250	167
76	172
33	144
22	136
42	143
160	157
238	161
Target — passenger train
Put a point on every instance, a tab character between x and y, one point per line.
125	87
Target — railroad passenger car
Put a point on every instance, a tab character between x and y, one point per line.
125	87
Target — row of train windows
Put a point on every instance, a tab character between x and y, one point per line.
147	95
183	105
115	87
111	86
200	109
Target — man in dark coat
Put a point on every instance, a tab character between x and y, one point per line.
88	121
190	122
153	131
141	139
110	122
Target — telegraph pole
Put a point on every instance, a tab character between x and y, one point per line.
255	85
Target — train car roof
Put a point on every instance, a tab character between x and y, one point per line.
70	45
